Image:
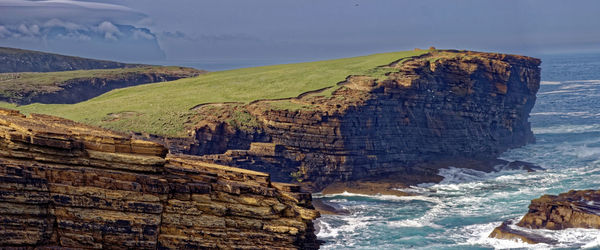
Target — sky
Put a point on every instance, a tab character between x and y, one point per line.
221	34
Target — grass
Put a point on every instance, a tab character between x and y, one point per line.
163	108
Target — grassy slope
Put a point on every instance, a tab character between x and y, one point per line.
163	108
13	84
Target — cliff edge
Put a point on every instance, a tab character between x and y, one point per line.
396	122
65	184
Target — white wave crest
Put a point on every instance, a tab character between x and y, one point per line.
351	224
382	197
478	234
567	129
571	114
550	83
424	221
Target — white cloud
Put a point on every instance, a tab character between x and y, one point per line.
142	34
64	3
79	12
31	30
110	30
4	32
55	22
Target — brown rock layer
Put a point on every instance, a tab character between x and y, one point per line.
574	209
430	108
64	184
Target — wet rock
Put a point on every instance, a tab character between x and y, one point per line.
574	209
505	231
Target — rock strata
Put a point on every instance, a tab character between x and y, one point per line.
68	185
20	60
435	107
574	209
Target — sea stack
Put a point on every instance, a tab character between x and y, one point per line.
574	209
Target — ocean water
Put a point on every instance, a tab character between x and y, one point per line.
462	210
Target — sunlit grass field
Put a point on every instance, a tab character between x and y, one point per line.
163	108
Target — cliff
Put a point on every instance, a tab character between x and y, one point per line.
76	86
393	121
65	184
20	60
574	209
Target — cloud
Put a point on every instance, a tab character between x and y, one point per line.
29	30
64	3
110	30
55	22
71	19
143	34
4	32
82	28
80	12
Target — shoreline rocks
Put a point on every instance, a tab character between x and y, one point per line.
68	185
574	209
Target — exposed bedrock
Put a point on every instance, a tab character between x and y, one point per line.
574	209
65	184
82	89
440	106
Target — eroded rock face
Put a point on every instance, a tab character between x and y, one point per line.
574	209
64	184
435	107
579	209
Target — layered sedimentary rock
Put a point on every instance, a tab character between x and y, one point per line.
439	106
20	60
64	184
574	209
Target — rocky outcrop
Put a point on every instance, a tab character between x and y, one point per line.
19	60
79	89
65	184
431	108
574	209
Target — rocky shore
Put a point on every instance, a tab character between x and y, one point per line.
69	185
574	209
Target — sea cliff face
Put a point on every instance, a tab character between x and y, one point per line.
439	106
65	184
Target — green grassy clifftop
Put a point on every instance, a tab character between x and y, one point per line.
165	108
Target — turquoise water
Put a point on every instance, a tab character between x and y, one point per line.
462	210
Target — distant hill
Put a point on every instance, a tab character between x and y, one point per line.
80	85
19	60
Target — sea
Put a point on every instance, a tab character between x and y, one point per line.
462	210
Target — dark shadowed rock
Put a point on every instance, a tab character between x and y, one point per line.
435	107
